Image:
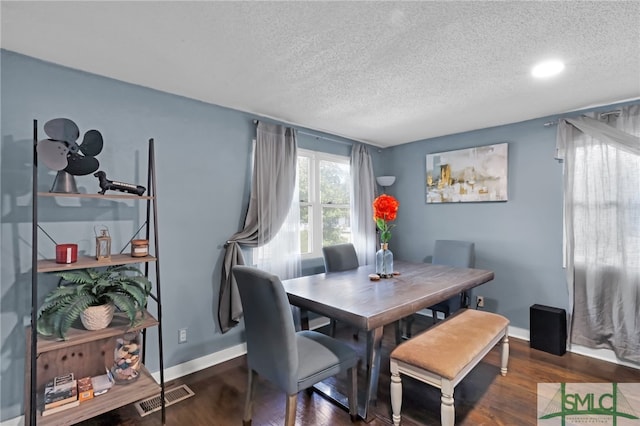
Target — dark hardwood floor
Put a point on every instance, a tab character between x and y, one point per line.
484	397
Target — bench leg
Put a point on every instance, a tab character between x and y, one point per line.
505	354
396	393
447	409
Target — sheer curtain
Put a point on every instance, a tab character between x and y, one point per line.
363	231
602	229
281	255
272	191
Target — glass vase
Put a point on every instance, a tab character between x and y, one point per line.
384	261
126	358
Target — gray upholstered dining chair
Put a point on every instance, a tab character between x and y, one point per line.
291	360
451	253
340	257
337	258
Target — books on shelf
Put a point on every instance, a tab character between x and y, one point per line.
59	408
62	391
85	389
63	382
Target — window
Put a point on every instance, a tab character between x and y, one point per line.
325	201
605	203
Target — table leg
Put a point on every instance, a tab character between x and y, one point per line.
374	345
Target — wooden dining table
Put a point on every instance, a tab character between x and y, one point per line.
353	298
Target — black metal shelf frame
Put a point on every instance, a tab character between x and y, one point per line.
151	208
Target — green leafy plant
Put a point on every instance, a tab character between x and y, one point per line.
122	285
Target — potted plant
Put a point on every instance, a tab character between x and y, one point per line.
81	290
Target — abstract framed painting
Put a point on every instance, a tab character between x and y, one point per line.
468	175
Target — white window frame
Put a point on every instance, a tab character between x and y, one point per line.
315	213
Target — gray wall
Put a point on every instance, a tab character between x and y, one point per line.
520	240
202	158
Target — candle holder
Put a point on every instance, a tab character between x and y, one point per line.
103	245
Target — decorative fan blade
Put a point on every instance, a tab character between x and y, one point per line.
91	143
62	129
80	165
53	153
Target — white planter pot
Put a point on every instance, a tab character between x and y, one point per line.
97	317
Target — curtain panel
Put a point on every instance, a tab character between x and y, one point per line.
602	229
272	190
363	229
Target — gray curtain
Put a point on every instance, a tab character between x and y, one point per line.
363	228
272	185
601	226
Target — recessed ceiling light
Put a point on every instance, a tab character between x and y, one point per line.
547	69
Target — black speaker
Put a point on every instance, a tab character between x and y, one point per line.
548	329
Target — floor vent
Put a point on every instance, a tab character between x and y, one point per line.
171	396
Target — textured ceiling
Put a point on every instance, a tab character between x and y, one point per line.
386	73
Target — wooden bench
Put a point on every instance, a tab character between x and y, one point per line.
445	353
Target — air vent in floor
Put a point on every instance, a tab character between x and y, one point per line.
171	396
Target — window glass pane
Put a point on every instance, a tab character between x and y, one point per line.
336	227
305	230
334	182
303	178
602	203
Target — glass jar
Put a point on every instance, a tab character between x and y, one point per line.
384	261
127	358
139	248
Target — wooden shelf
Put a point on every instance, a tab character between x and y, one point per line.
105	196
77	336
84	352
119	395
50	265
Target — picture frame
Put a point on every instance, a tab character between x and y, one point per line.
476	174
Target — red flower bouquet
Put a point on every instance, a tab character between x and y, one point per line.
385	210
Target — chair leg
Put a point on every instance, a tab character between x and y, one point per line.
332	327
396	393
464	300
304	319
352	388
290	416
445	313
505	354
447	409
248	402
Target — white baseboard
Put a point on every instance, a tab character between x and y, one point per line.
219	357
601	354
201	363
